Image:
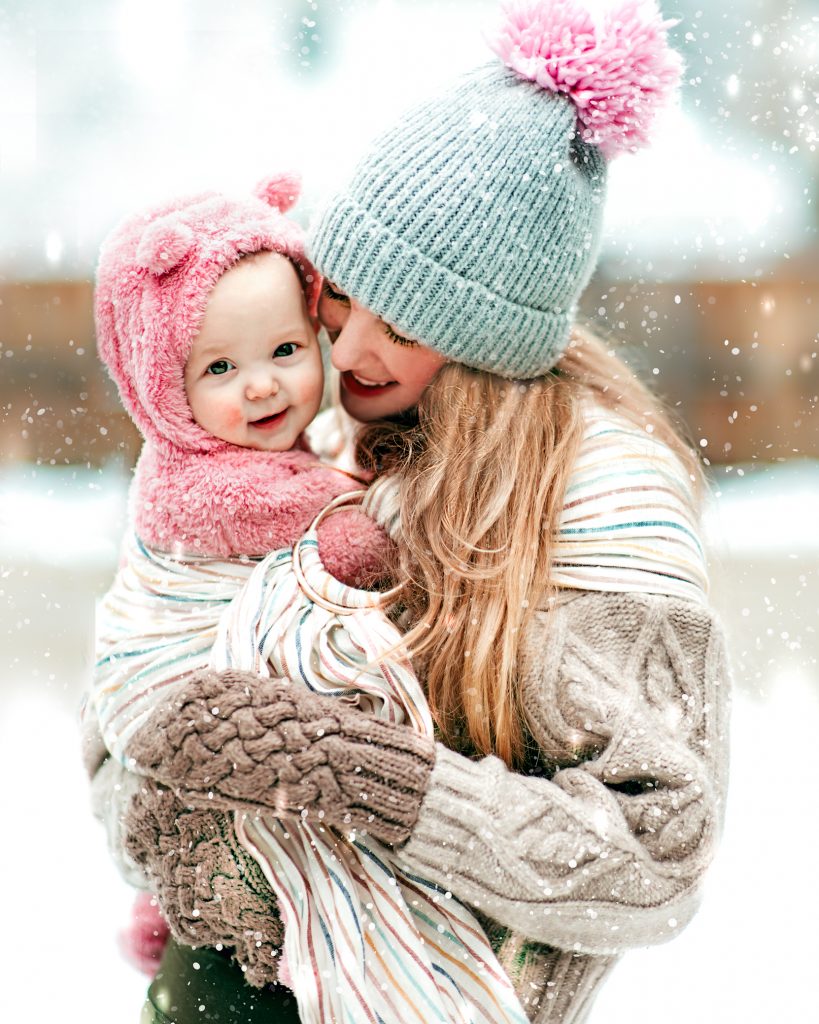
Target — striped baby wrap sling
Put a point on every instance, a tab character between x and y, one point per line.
364	940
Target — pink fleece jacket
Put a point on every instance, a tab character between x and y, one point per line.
235	501
192	492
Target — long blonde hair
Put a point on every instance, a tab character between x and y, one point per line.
482	476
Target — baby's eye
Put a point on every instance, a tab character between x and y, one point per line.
220	366
399	339
329	291
287	348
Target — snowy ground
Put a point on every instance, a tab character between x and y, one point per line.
746	957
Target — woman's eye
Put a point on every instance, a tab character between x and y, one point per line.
220	366
399	339
329	292
285	349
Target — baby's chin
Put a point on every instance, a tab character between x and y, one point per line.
279	436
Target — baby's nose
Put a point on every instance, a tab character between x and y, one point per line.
262	384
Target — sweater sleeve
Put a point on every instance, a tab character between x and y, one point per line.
626	697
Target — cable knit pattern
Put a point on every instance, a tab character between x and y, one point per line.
210	889
602	849
627	700
237	741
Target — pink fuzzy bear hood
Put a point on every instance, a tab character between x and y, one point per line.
192	492
155	275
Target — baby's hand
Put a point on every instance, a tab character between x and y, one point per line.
210	890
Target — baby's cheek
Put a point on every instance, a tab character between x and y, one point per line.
234	416
226	414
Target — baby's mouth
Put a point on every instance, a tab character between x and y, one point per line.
268	422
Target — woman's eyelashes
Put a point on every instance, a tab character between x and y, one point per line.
329	291
399	339
332	294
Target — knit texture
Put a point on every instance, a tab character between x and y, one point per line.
210	889
627	701
232	740
327	884
605	845
614	63
554	985
473	224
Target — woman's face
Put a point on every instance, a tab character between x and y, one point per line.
382	372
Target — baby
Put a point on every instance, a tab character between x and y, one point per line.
205	313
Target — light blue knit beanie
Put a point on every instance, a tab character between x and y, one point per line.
474	223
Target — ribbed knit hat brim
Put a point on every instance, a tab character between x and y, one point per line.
415	294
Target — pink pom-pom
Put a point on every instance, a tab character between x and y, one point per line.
143	943
617	69
280	191
164	245
284	976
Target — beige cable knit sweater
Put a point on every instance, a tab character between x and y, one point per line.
601	849
627	697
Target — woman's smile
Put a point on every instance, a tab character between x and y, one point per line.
363	387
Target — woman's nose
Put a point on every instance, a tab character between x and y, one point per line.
349	344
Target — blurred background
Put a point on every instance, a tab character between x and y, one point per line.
709	276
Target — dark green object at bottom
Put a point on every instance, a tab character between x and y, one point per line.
213	991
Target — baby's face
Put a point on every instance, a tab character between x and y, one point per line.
254	375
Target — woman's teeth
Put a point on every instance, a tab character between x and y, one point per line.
363	386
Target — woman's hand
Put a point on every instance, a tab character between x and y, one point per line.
209	889
232	740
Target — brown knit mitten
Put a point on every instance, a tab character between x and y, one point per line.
233	740
209	889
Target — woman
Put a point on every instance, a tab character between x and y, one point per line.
544	512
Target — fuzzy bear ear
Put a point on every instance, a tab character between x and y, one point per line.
164	245
279	191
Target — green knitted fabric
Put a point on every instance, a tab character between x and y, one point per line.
473	224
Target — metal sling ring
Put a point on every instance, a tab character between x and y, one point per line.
334	596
